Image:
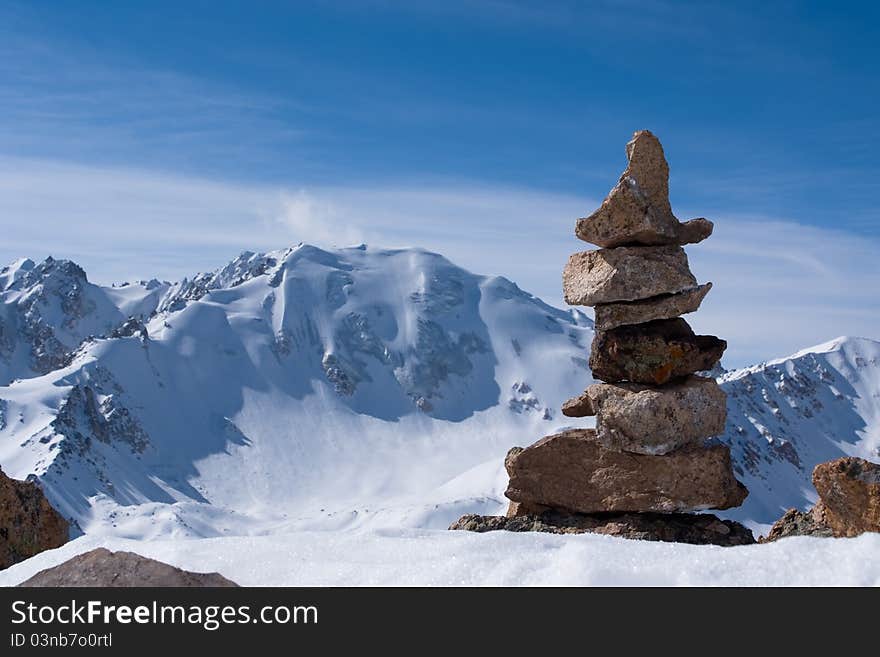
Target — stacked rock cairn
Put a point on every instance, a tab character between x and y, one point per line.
645	470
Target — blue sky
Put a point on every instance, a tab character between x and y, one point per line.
326	121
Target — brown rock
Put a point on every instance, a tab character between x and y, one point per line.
516	509
668	306
28	523
625	274
632	417
697	529
101	567
580	406
654	352
637	210
798	523
573	471
849	494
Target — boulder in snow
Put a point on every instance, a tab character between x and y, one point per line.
101	567
849	495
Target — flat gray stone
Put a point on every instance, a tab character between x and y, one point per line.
625	274
669	306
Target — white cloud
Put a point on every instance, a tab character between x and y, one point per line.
317	219
779	285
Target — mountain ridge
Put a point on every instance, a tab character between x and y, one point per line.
303	384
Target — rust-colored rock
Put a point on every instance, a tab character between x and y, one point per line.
573	471
625	274
696	529
633	417
103	568
637	210
28	523
654	352
668	306
849	494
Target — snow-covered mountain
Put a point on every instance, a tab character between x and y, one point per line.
310	389
284	383
787	415
46	311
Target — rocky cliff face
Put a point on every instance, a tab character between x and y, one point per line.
47	310
28	523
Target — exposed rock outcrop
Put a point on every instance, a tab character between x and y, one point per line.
849	494
637	210
699	529
28	523
849	502
103	568
798	523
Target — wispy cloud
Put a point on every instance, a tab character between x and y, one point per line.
317	219
78	104
779	285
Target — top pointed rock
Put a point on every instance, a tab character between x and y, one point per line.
637	210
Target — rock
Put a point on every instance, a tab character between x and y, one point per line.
573	471
631	417
130	327
849	495
625	274
654	352
668	306
697	529
516	509
637	210
101	567
849	502
473	522
798	523
28	523
580	406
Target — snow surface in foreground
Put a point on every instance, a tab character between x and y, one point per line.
447	558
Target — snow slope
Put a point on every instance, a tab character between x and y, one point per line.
364	391
444	558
